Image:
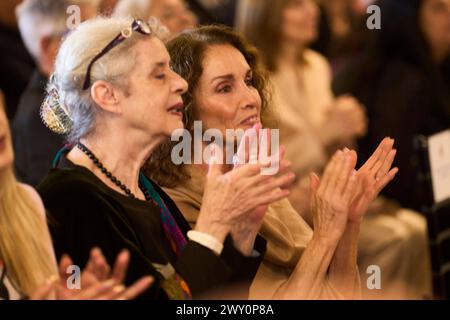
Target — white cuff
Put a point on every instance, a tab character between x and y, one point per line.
206	240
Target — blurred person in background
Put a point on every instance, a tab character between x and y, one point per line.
16	64
42	24
229	90
28	266
174	14
106	7
403	78
311	118
341	31
313	123
222	11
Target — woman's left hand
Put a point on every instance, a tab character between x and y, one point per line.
373	176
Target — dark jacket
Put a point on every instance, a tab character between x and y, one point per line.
16	67
34	144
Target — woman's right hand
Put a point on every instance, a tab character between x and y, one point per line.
332	196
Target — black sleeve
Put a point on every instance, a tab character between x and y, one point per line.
203	270
244	268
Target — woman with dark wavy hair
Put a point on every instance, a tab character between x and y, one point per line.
228	90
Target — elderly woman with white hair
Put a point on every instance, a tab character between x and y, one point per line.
116	98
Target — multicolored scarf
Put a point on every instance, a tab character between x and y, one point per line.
173	233
176	239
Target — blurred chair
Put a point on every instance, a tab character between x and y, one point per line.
438	217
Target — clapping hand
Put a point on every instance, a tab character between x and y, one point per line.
97	281
373	176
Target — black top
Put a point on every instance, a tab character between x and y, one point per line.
34	143
84	213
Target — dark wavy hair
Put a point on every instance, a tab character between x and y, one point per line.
187	52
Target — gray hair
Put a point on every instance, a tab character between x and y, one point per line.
43	18
74	56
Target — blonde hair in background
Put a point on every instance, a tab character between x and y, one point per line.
25	243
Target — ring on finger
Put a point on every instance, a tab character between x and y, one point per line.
119	288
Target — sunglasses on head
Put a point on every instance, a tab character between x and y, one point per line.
138	25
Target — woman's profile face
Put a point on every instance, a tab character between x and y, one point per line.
225	97
435	23
6	150
299	22
152	102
